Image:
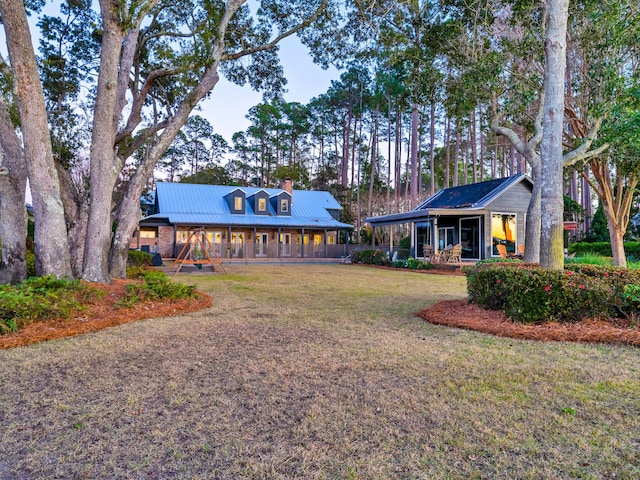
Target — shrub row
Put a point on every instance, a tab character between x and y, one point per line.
412	264
529	294
41	298
631	249
370	257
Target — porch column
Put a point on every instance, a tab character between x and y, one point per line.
324	242
174	253
412	226
302	245
391	240
255	241
278	242
435	235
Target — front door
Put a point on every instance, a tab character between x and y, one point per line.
470	238
285	244
237	244
261	244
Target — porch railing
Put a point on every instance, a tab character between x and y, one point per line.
276	251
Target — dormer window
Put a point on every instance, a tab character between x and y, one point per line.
262	204
235	199
284	205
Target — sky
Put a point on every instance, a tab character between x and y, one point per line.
229	104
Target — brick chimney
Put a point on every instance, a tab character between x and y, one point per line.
287	185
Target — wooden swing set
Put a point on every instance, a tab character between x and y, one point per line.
198	251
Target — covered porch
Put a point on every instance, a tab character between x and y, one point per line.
434	236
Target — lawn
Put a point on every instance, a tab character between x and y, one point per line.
317	372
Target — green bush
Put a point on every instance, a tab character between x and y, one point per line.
136	271
590	259
138	258
156	285
498	260
370	257
529	294
412	264
631	249
41	298
31	264
403	253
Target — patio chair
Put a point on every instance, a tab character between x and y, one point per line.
502	250
427	252
455	254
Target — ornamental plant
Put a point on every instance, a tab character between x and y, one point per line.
529	294
370	257
41	298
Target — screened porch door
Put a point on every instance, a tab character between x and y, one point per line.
445	238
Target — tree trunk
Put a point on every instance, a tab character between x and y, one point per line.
616	197
414	156
398	159
388	200
13	219
456	155
76	214
344	170
374	160
551	232
447	145
474	148
532	225
432	163
52	248
105	165
617	243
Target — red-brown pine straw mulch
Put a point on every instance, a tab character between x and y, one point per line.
102	313
461	314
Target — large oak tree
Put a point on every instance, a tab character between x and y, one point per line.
158	60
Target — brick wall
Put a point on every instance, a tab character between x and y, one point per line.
165	241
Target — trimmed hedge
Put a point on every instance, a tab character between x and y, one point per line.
138	258
370	257
631	249
529	294
412	264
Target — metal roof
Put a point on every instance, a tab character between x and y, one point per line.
454	201
196	204
474	195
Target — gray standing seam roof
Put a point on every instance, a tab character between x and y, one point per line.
464	197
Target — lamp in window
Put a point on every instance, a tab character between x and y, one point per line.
224	235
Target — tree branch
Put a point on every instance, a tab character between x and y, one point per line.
582	152
276	40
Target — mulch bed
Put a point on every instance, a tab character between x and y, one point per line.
452	313
462	314
103	313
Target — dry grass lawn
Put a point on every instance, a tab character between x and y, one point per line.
317	372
